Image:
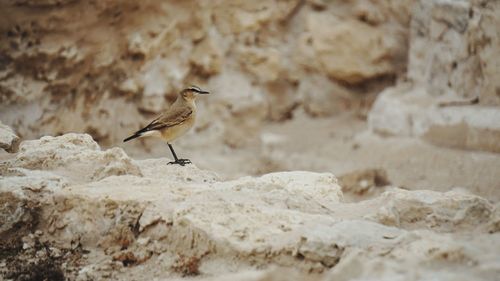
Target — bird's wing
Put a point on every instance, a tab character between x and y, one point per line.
171	118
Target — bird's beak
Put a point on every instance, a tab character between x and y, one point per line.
204	92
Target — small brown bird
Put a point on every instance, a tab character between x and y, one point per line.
175	122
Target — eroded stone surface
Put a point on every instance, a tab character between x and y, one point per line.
61	75
172	221
69	153
411	111
350	51
9	141
439	211
453	95
453	47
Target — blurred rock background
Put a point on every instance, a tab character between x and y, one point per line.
79	65
283	74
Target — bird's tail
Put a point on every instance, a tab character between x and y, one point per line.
136	135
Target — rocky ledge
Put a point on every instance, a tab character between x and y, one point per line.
70	210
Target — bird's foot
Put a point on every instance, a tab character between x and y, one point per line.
181	162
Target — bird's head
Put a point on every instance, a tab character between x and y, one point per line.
190	94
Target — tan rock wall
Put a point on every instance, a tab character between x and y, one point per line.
80	65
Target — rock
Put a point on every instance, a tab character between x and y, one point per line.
248	16
438	211
331	99
448	55
154	83
361	182
228	110
383	12
35	181
427	248
8	139
18	216
411	111
282	100
494	225
135	57
207	58
450	70
350	51
264	64
186	221
69	151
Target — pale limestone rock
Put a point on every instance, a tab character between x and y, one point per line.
494	225
410	111
234	99
392	116
350	51
136	45
12	211
448	53
264	64
345	234
330	99
438	211
135	57
9	141
158	78
244	16
70	152
20	89
382	12
449	63
224	215
129	86
19	179
207	57
427	249
183	220
484	27
282	99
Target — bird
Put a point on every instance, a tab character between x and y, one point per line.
174	122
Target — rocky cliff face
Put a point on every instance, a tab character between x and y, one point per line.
78	65
452	95
71	210
454	49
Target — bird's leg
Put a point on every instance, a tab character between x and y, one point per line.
173	152
181	162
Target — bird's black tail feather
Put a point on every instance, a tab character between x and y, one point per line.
132	137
